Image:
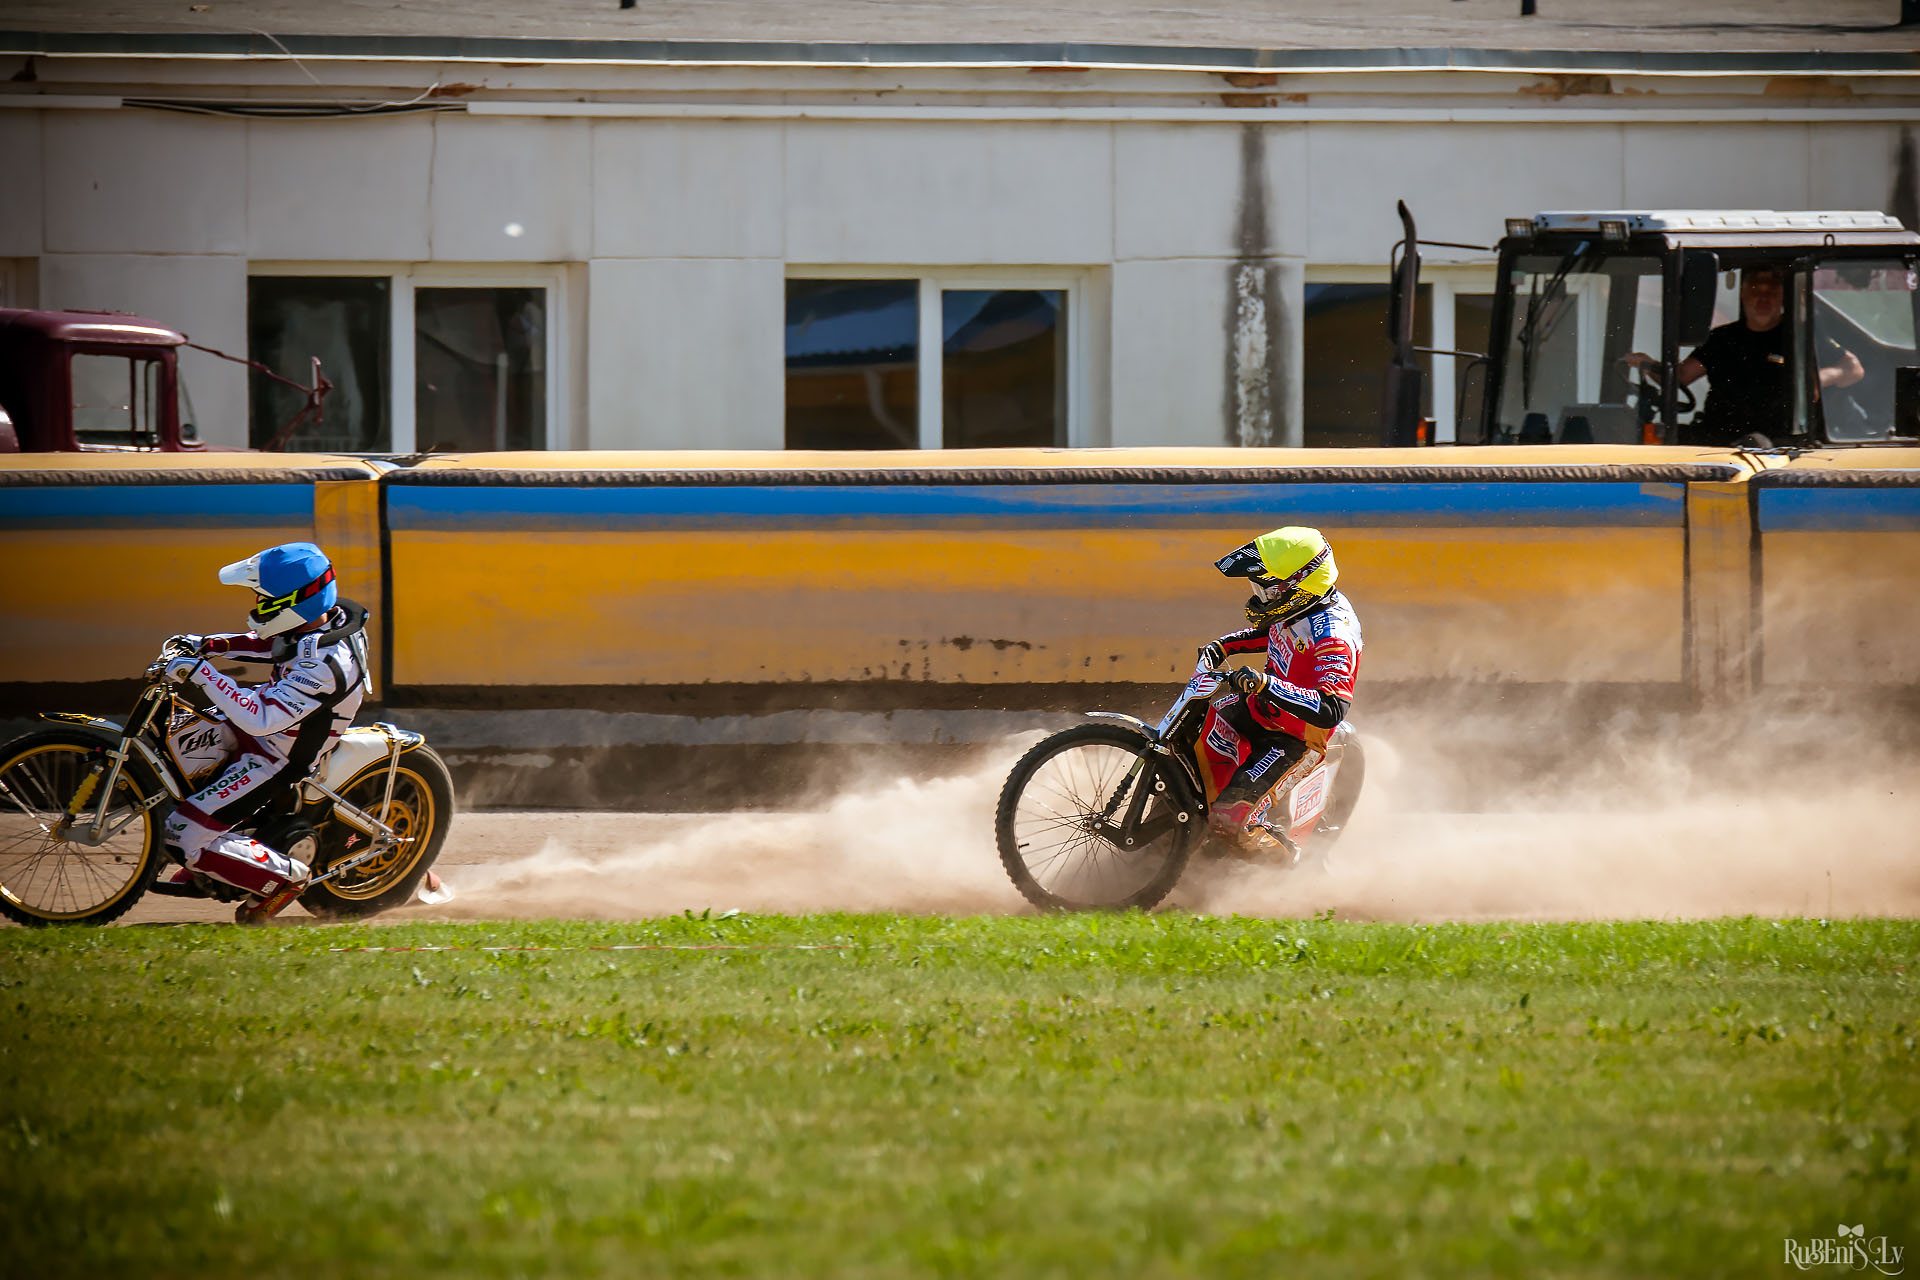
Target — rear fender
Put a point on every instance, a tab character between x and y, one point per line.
356	750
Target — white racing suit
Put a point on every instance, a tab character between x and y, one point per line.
278	731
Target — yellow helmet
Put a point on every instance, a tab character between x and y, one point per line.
1291	571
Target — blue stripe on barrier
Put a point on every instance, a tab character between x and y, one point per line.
504	507
166	506
1839	509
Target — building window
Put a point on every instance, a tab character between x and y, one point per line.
1003	367
422	359
479	369
852	347
1346	350
344	322
19	280
1345	362
856	378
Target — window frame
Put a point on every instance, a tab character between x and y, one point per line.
930	375
1444	280
403	279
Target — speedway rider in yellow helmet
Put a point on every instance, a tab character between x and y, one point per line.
1262	721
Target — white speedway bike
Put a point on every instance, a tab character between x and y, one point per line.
83	803
1104	816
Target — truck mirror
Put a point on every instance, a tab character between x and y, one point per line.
1906	400
1699	279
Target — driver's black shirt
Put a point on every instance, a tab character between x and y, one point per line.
1751	386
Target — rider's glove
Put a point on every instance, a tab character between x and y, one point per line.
189	643
179	670
1212	655
1246	681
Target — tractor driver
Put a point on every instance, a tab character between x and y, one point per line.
1748	362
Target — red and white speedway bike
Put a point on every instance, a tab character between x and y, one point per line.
83	803
1104	816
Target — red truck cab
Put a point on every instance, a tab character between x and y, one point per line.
92	381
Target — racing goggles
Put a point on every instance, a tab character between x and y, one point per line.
269	606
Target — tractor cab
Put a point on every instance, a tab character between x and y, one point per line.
93	381
1597	315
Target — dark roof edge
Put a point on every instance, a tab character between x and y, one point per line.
855	54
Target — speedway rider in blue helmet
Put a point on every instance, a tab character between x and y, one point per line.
317	647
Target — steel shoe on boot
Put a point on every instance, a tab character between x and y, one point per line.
261	910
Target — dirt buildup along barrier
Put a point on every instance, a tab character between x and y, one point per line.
1583	816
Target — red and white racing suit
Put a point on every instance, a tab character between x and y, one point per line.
279	729
1249	742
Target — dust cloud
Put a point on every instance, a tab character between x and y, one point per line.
886	845
1555	814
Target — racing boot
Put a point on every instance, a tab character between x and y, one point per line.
269	879
1231	821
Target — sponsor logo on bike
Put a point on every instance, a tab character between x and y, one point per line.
194	741
1849	1247
1310	797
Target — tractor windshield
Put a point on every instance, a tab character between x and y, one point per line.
1575	319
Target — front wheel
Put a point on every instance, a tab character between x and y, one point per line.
1059	814
49	874
420	813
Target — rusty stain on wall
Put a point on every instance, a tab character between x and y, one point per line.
1567	85
1253	307
1904	201
1807	87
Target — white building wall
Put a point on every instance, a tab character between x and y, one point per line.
686	189
678	233
1199	210
1460	180
930	193
21	230
687	353
1852	166
510	190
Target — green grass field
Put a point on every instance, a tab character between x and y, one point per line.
869	1096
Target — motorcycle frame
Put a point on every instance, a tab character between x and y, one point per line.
1162	742
1191	795
132	739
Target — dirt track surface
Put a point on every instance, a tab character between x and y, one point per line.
927	846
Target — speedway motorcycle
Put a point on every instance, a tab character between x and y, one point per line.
1106	815
83	806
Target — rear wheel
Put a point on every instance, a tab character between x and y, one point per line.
420	813
1346	794
48	793
1059	813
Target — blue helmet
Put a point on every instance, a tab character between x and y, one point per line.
294	582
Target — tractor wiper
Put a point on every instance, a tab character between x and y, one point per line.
1533	334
